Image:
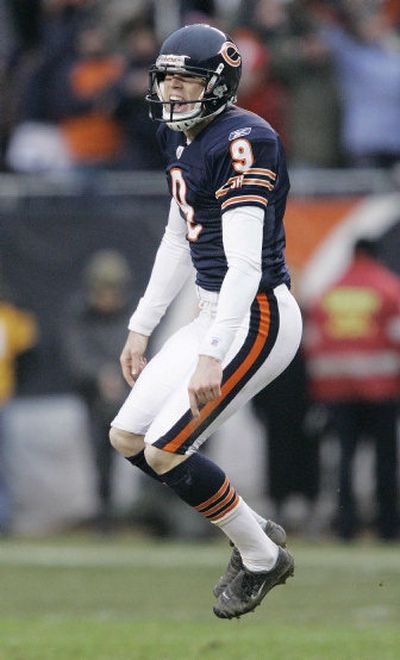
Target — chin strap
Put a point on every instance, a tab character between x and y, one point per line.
183	125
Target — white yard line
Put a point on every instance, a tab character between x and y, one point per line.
75	556
369	560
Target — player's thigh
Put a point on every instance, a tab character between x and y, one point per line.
279	350
275	360
264	346
284	347
161	376
175	408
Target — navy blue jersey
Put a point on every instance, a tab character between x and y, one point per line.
237	160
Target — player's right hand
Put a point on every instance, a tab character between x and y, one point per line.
132	357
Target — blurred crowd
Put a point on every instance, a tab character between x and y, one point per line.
73	76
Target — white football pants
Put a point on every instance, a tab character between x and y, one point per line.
158	405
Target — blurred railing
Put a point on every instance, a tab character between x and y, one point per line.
106	183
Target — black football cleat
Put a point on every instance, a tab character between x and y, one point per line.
274	531
248	589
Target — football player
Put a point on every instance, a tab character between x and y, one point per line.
228	181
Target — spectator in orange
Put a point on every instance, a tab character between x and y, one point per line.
92	134
353	348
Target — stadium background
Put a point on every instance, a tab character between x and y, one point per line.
49	230
67	592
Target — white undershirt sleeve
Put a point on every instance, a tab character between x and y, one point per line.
171	269
242	238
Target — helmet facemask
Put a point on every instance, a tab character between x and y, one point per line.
209	103
176	119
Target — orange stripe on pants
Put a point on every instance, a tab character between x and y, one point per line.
255	351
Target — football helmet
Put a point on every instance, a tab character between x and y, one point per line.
203	52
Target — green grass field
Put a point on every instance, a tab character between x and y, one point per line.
134	599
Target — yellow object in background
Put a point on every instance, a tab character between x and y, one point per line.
18	333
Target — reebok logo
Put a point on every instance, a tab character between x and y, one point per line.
239	133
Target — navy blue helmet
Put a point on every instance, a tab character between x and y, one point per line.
203	52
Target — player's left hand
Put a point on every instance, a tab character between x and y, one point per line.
205	384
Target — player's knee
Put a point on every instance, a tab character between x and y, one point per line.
127	444
162	461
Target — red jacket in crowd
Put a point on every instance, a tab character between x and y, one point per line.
353	336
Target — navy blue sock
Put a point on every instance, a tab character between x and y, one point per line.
139	461
203	485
